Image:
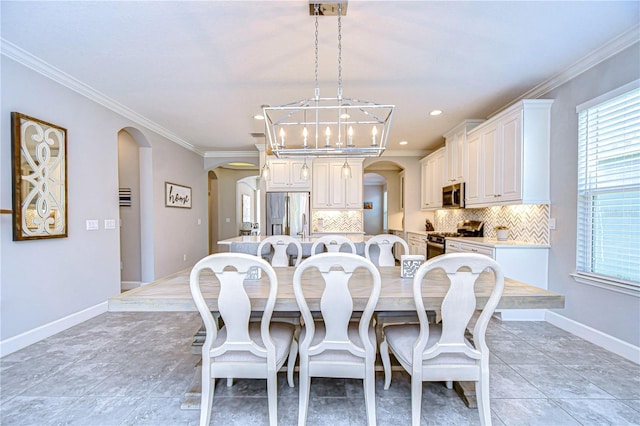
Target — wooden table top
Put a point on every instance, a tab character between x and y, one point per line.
172	293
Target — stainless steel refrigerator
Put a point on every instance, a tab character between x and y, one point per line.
288	213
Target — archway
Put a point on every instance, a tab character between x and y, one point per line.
385	178
225	200
136	208
375	204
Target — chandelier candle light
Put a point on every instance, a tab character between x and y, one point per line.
365	125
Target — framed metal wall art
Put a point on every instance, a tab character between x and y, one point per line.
39	178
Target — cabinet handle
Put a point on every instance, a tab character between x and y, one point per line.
474	250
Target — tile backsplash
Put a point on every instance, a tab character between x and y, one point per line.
527	222
337	221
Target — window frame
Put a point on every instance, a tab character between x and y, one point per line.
586	277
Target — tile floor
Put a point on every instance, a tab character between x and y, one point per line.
133	368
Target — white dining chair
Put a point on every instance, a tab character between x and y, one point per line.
333	244
332	345
240	348
441	352
280	258
280	244
385	243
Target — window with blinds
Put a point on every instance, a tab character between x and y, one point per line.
608	237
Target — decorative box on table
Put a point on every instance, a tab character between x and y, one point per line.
254	273
409	264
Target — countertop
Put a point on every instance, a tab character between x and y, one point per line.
257	239
492	242
420	232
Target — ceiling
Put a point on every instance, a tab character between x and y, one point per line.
199	71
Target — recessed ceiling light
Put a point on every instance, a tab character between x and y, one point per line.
403	142
435	112
260	116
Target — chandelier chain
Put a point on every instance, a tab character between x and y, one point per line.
316	13
350	127
340	51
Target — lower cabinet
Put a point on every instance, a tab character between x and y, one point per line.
417	244
397	247
525	263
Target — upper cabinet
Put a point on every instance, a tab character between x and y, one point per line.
455	152
286	175
433	179
508	156
331	190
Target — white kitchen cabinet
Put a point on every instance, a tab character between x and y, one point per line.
331	191
455	151
417	244
286	175
520	261
461	247
508	156
433	179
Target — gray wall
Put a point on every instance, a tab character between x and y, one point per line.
373	218
228	203
129	177
47	280
610	312
413	217
394	211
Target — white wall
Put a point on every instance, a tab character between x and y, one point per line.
606	311
67	279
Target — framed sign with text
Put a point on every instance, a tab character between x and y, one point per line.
177	195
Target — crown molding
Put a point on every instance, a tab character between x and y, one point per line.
231	154
36	64
601	54
404	153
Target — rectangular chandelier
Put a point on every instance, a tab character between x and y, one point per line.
327	127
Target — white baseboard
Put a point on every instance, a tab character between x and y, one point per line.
129	285
30	337
610	343
521	314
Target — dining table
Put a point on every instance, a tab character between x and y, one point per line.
172	294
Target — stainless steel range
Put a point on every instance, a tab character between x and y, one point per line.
466	228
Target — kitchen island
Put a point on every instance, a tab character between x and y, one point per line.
249	244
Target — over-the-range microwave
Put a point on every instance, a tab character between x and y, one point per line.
453	196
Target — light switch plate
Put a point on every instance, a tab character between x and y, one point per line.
92	225
109	224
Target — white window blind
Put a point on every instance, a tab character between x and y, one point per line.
608	238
